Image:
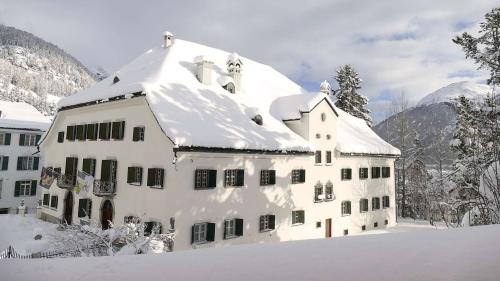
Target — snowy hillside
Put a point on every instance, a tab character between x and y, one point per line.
36	71
470	253
467	89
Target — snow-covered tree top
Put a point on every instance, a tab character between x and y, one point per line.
212	117
22	115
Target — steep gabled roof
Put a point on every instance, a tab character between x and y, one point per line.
20	115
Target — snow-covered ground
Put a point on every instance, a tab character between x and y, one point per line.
19	232
416	252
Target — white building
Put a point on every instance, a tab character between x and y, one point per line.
222	148
21	127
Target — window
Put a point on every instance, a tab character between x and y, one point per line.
363	227
202	233
134	175
205	179
386	222
328	136
70	133
266	223
28	139
317	157
234	177
4	138
298	217
89	166
298	176
92	131
108	170
363	173
318	224
328	157
1	184
318	136
375	172
138	134
84	208
385	202
267	177
363	205
60	137
81	132
27	163
375	203
155	177
118	130
25	188
329	191
152	227
4	163
346	232
375	224
104	131
53	201
233	228
386	172
70	169
46	199
318	192
131	219
346	208
323	117
346	174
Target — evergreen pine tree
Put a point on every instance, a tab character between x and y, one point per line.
348	97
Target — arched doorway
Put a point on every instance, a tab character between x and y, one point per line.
68	208
106	214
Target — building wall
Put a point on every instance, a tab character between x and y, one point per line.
179	199
10	176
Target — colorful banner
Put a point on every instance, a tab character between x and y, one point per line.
84	184
48	176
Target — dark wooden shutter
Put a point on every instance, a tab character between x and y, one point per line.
262	175
38	138
302	175
81	207
261	223
36	160
60	137
162	177
272	177
212	178
226	222
70	133
17	189
240	177
88	166
5	163
106	170
19	163
118	130
210	232
103	131
239	227
271	221
349	173
71	164
34	184
151	174
7	139
136	134
21	139
192	227
131	174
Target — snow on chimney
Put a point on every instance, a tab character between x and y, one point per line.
168	39
204	73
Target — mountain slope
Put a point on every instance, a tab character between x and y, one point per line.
38	72
432	120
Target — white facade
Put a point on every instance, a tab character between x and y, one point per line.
161	147
21	126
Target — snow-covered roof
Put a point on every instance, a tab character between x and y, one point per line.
20	115
196	115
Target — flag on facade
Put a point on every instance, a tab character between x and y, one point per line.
48	176
84	183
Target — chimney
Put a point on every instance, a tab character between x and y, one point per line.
234	65
168	39
204	66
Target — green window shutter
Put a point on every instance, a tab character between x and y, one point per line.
210	232
239	227
71	165
192	227
103	131
106	170
302	175
5	163
81	208
262	174
151	173
17	189
226	222
19	163
36	160
70	133
21	139
349	173
86	165
131	175
60	137
272	220
212	178
162	177
38	138
136	133
273	177
240	177
7	138
34	184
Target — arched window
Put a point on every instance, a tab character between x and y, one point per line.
318	192
323	117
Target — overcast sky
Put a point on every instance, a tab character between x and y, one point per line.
396	46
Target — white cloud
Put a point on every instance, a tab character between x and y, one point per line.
395	45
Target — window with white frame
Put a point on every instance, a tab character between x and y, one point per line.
29	140
346	174
298	176
318	192
346	208
4	163
1	184
298	217
205	178
385	202
27	163
24	188
4	138
200	233
267	177
266	223
317	157
376	203
329	191
328	157
363	205
234	177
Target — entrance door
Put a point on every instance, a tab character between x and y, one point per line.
68	208
106	214
328	228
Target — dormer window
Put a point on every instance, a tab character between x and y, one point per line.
323	117
229	87
116	80
258	120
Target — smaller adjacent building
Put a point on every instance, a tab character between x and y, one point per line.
21	127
